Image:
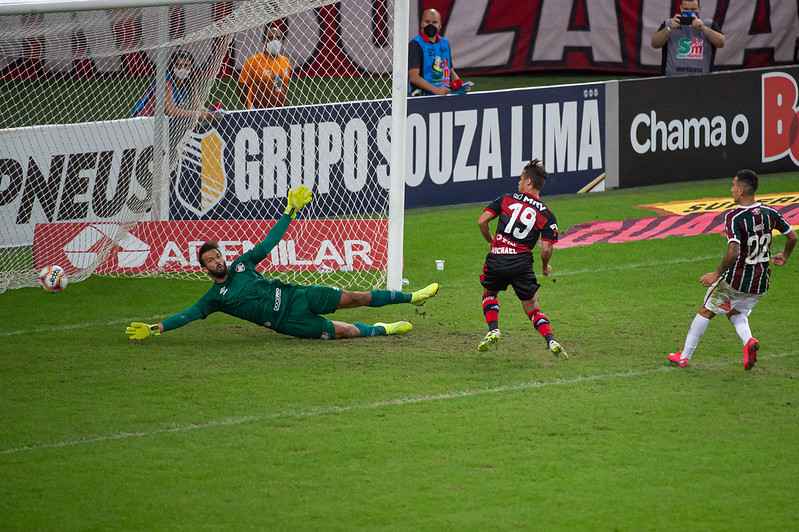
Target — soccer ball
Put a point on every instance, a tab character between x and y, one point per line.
53	278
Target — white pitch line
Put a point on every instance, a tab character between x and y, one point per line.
327	410
555	275
341	409
84	325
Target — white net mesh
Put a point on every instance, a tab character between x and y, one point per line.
129	137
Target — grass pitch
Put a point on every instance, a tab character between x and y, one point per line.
223	425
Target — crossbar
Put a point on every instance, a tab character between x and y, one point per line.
23	7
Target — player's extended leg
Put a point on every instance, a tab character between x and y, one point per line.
305	317
695	333
491	313
543	326
359	329
740	320
720	299
380	298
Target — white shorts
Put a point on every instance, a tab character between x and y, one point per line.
721	299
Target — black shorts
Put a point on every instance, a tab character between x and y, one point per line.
499	271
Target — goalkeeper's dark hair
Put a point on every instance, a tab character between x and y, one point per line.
208	246
748	179
534	170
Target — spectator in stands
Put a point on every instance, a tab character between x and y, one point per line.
689	43
430	66
179	101
264	78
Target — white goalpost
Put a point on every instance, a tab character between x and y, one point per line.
132	131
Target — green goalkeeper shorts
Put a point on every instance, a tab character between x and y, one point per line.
302	318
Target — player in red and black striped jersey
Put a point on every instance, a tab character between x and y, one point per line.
523	220
743	275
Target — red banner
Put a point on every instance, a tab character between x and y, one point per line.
350	38
653	228
153	247
508	36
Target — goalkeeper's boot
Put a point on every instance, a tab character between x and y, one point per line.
398	327
676	359
750	353
490	339
423	294
557	349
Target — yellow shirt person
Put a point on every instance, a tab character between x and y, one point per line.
265	75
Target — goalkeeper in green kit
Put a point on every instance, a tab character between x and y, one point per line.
296	310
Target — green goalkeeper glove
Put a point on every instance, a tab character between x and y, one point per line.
298	198
139	331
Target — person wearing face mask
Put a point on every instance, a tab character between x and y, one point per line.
178	102
689	43
265	76
430	67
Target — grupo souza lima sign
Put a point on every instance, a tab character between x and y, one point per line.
171	246
465	149
460	149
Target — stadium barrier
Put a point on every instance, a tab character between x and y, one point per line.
696	127
171	246
461	149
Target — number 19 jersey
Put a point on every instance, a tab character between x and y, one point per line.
523	219
751	228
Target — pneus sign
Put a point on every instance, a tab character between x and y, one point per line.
697	127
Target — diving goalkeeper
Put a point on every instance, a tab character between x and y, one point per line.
295	310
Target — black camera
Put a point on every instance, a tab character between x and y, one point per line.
687	18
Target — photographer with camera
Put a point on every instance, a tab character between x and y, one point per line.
689	43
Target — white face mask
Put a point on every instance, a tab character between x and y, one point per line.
182	73
273	47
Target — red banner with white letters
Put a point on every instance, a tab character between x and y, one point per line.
171	246
487	37
508	36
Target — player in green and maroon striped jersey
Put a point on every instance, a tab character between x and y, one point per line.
743	275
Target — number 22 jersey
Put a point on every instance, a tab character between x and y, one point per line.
751	228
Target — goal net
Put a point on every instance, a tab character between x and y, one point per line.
130	136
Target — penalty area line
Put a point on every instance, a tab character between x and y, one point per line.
358	407
332	409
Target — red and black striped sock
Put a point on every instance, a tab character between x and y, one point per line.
541	323
491	311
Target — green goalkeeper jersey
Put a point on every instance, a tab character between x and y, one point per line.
245	293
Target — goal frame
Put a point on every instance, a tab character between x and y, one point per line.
398	163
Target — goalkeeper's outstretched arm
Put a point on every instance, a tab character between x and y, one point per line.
298	198
199	311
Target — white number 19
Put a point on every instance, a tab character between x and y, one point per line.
523	214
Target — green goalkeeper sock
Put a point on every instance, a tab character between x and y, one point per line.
370	330
388	297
